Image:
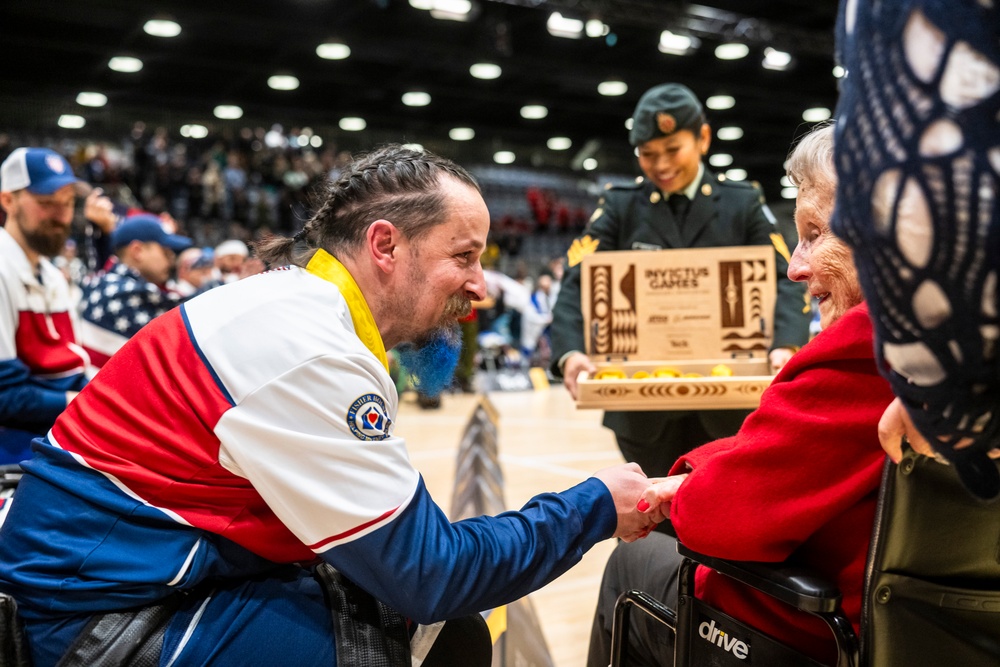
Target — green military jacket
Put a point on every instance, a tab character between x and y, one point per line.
637	217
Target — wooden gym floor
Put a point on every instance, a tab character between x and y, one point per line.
545	444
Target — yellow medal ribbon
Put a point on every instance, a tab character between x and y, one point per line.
326	266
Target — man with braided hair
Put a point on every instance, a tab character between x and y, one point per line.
199	490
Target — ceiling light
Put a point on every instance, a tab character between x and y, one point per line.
731	51
628	124
416	99
194	131
91	99
162	28
283	82
461	133
720	159
302	140
125	64
534	112
315	141
612	88
333	51
352	124
559	143
71	121
228	112
426	5
786	182
451	10
720	102
590	164
503	157
414	147
731	133
485	71
789	193
776	60
562	26
839	72
596	28
736	174
675	44
816	115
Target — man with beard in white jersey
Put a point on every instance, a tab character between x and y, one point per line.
240	445
42	366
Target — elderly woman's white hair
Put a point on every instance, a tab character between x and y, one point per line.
810	165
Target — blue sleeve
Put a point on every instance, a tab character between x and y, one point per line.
430	569
23	403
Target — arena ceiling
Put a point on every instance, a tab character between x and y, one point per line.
226	52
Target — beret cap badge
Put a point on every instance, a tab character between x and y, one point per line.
666	122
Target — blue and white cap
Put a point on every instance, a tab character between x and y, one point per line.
40	171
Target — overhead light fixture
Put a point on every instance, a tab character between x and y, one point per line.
839	72
720	102
816	115
485	71
720	159
730	133
283	82
612	88
228	112
503	157
126	64
736	174
776	60
414	147
91	99
731	51
333	51
315	141
352	124
563	26
678	45
628	124
590	164
194	131
596	28
786	182
447	10
559	143
71	121
416	98
789	193
162	28
302	140
461	133
534	112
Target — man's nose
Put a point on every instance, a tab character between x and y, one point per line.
476	287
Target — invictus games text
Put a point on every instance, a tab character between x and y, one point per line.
676	278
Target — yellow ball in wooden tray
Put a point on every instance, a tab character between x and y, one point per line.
610	374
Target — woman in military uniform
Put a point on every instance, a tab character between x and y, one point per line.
678	204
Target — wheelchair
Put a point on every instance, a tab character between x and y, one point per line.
931	590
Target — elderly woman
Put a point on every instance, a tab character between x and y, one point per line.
801	476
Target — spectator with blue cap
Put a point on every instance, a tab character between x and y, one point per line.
42	366
130	294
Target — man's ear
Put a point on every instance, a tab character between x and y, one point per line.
381	240
6	200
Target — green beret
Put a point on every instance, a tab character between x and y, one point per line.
663	110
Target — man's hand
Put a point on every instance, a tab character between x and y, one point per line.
626	483
779	356
896	423
656	498
97	208
576	363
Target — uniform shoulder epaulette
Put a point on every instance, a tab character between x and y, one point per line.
730	183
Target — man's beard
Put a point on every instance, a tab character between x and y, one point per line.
431	361
47	239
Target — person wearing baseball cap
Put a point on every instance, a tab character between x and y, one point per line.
130	294
42	366
676	203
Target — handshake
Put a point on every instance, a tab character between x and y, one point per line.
640	502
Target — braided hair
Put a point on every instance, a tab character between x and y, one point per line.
391	183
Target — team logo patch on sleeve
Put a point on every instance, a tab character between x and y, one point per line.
367	418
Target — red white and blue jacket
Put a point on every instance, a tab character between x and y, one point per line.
40	355
254	425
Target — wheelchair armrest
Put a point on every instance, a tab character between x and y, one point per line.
793	584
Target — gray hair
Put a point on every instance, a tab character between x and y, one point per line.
810	165
392	183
